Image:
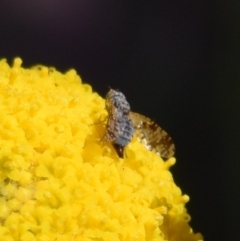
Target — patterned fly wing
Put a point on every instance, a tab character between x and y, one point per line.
152	135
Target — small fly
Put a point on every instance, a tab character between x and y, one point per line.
123	124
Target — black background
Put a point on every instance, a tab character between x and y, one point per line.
177	62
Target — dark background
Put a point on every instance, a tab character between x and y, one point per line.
177	62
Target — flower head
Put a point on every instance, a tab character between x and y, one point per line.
60	181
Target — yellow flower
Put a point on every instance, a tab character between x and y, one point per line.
60	181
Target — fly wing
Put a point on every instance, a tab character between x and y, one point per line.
152	135
110	134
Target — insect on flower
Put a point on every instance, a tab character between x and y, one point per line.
122	124
120	129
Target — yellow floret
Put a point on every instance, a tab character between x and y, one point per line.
60	181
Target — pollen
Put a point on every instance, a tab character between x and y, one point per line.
60	181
